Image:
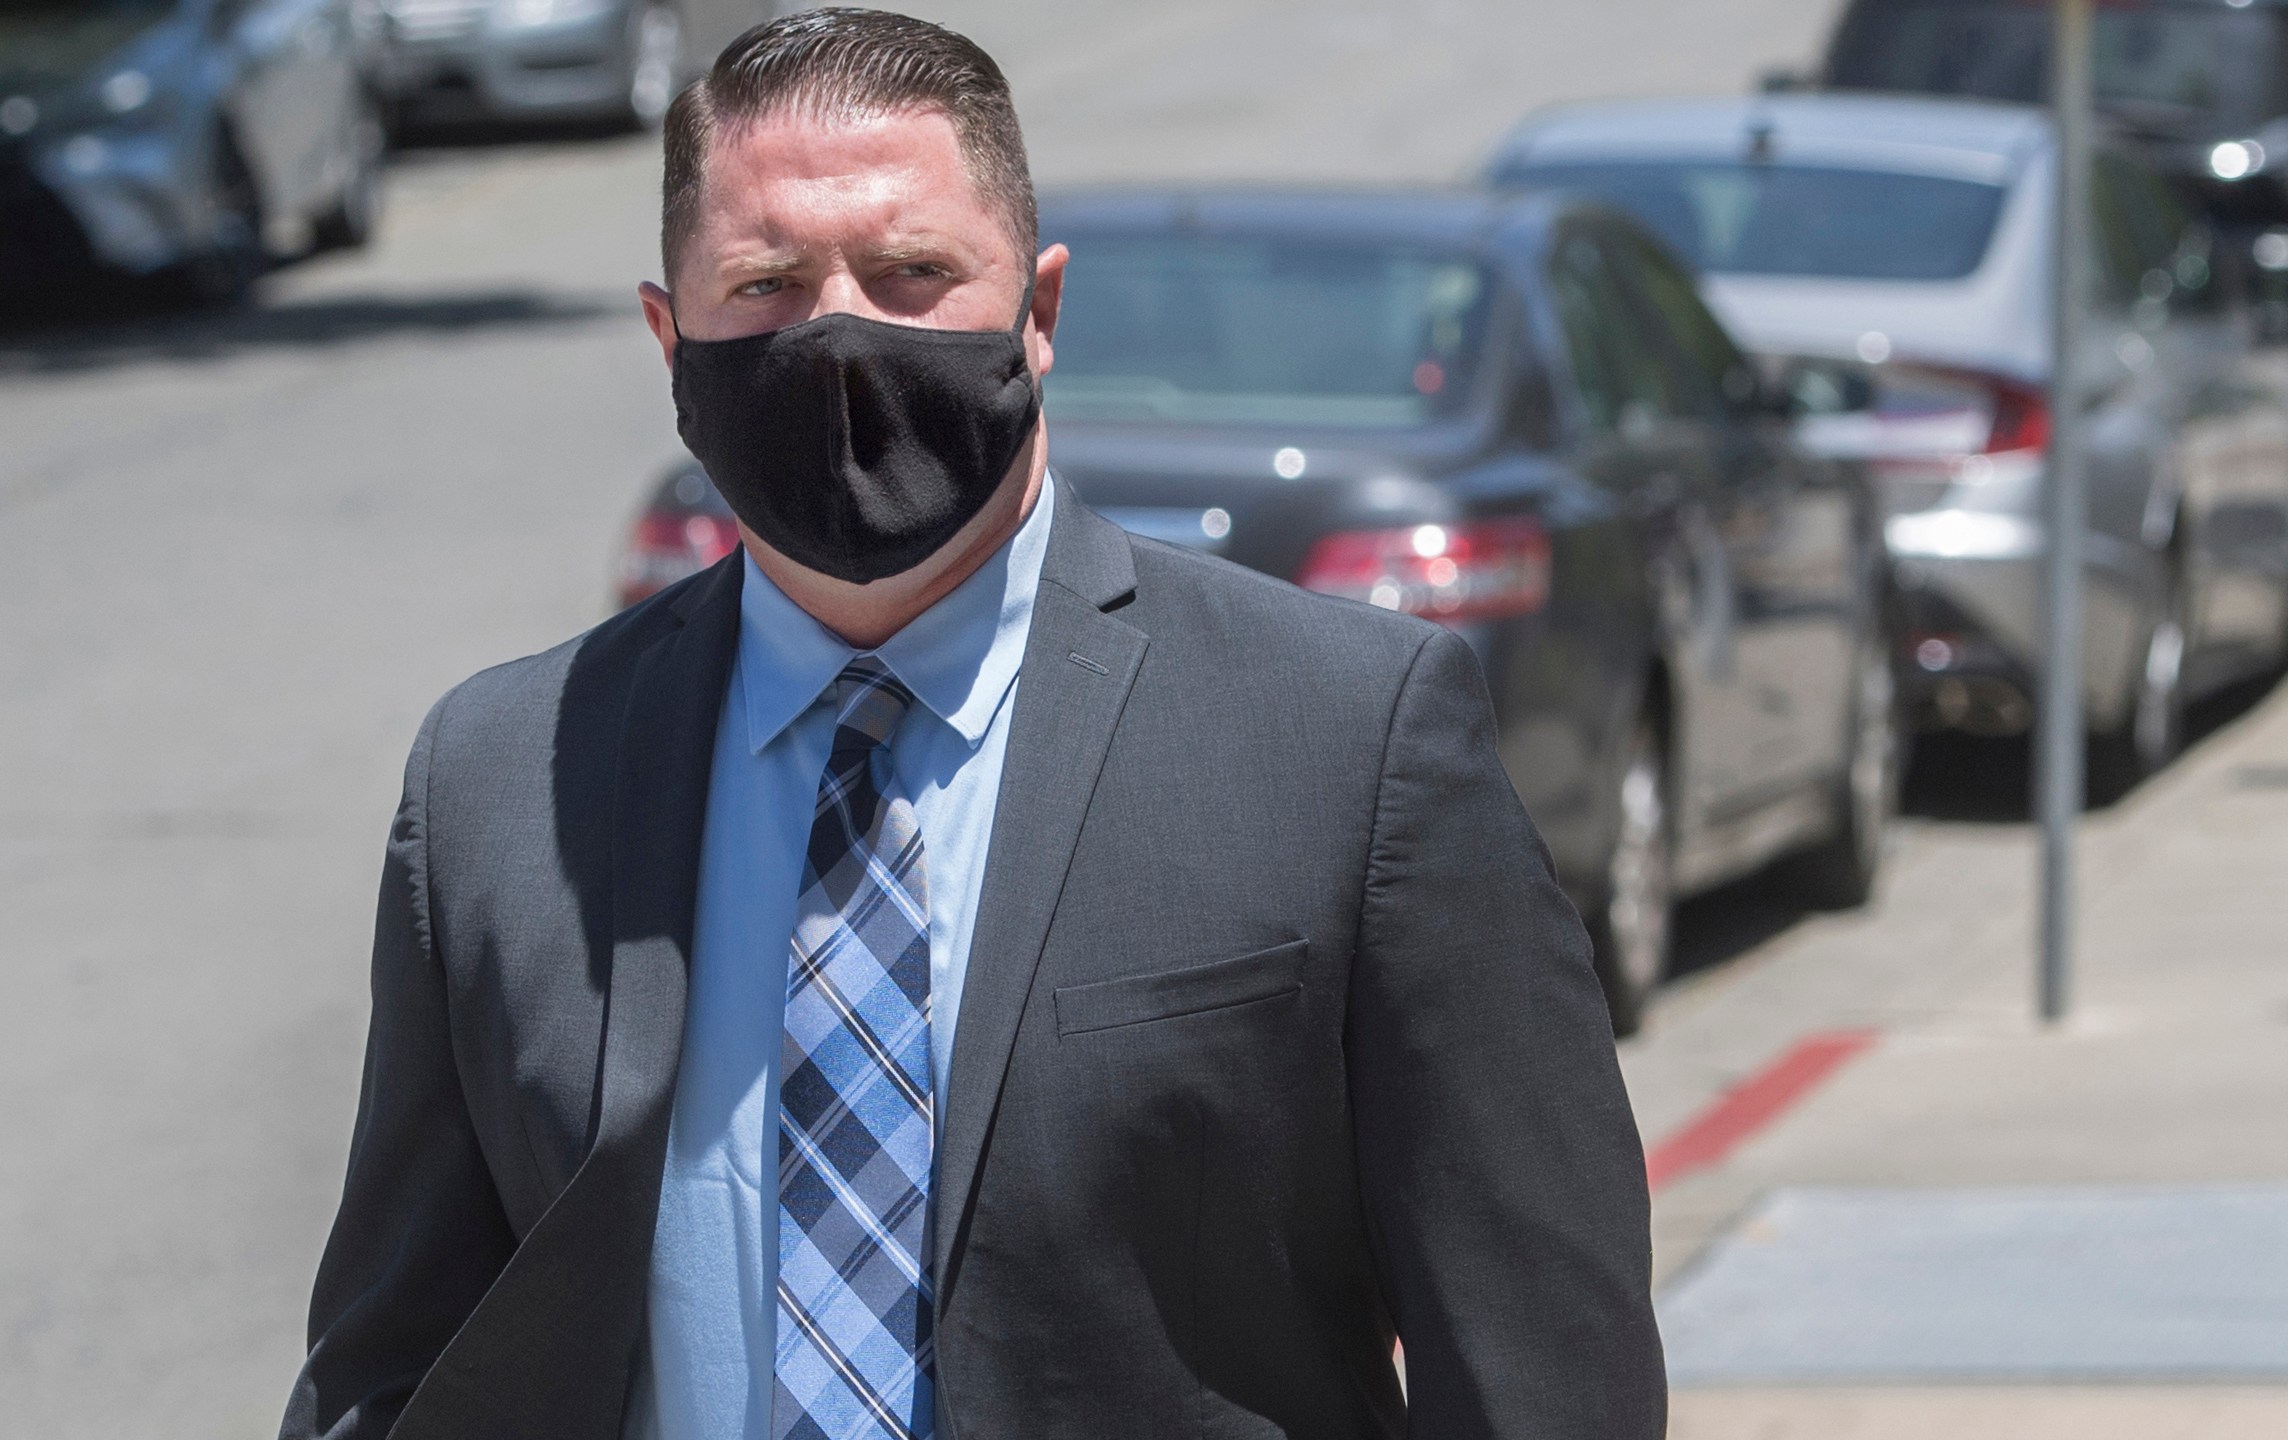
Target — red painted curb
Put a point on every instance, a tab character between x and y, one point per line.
1738	1113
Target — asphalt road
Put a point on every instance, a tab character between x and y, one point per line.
239	556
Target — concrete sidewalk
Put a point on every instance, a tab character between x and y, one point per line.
2099	1413
2172	1070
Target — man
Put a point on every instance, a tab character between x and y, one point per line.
953	969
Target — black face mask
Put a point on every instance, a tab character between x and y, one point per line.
854	447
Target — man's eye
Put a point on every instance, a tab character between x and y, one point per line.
771	286
921	270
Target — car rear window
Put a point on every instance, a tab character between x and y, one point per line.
1218	329
2187	70
1747	218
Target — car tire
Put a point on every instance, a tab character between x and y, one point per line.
2154	731
1840	871
655	63
350	223
1631	915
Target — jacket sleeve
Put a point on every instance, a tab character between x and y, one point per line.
421	1234
1502	1175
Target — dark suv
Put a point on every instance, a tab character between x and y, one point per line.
2203	84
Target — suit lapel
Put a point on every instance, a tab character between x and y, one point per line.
547	1353
1080	664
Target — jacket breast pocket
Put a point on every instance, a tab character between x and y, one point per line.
1171	994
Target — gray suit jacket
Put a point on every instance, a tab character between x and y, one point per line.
1279	1042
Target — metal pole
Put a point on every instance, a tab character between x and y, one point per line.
2058	743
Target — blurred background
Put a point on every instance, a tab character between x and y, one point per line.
1690	357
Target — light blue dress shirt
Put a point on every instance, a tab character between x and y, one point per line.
714	1270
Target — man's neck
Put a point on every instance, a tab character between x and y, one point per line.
867	615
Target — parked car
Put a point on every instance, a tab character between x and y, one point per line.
2202	85
458	60
195	139
1515	418
1914	235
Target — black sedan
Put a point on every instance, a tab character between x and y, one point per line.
1513	417
196	140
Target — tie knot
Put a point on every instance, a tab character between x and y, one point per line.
870	700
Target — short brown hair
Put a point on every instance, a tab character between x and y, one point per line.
837	63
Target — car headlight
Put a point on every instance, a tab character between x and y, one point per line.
125	92
123	105
85	154
126	102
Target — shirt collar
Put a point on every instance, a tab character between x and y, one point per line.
960	657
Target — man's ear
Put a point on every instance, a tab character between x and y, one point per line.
659	314
1048	303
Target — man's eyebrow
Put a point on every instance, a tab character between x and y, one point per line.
750	265
922	249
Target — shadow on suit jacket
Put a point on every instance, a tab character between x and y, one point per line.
1279	1042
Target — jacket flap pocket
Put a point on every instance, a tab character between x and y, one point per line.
1138	998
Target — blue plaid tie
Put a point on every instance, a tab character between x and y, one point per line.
855	1127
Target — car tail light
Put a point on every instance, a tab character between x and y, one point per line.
1937	428
2021	417
669	545
1479	570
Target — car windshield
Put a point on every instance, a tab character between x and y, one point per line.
2181	70
1193	329
76	9
1743	218
48	42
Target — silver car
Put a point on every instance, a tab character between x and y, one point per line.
450	60
1913	237
192	138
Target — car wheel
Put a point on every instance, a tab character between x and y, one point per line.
1629	924
2150	738
350	223
655	64
224	273
1839	872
